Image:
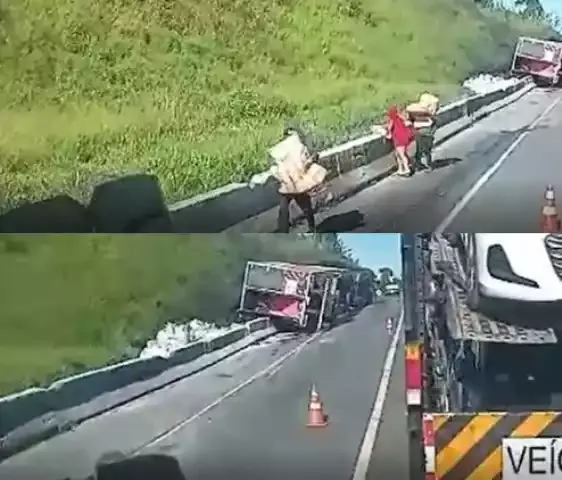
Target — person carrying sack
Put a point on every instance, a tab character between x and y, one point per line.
299	175
422	115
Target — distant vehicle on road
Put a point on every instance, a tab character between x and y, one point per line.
518	267
392	289
539	58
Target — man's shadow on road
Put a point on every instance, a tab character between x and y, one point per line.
354	219
445	162
342	222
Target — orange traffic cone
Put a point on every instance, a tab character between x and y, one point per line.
550	221
316	416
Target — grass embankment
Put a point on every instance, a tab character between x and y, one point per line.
72	302
194	91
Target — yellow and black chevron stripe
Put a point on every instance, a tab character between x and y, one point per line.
469	446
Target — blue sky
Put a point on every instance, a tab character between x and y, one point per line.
375	250
554	6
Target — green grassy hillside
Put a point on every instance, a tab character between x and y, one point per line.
73	301
194	91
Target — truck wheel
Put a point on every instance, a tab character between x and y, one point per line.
282	325
311	323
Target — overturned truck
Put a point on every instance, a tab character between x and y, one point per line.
541	59
302	297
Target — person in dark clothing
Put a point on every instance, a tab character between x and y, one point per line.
289	174
304	202
423	156
423	116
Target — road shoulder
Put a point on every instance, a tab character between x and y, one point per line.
389	458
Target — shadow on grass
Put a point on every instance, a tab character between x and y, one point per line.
132	204
60	214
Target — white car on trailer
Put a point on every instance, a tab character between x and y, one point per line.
520	267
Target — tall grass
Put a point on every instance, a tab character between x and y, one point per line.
194	91
69	302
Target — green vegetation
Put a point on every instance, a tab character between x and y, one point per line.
70	302
194	91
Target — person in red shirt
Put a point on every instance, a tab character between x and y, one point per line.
401	134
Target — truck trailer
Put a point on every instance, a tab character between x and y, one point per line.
481	392
296	297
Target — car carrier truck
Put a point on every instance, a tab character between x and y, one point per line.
296	297
479	390
541	59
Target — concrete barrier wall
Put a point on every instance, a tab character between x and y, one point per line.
20	408
227	339
81	388
259	324
188	354
34	414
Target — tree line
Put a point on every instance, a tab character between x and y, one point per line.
531	9
333	243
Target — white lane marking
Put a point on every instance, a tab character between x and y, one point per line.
274	370
273	367
464	201
364	458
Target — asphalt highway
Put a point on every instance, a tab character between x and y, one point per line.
489	178
247	415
